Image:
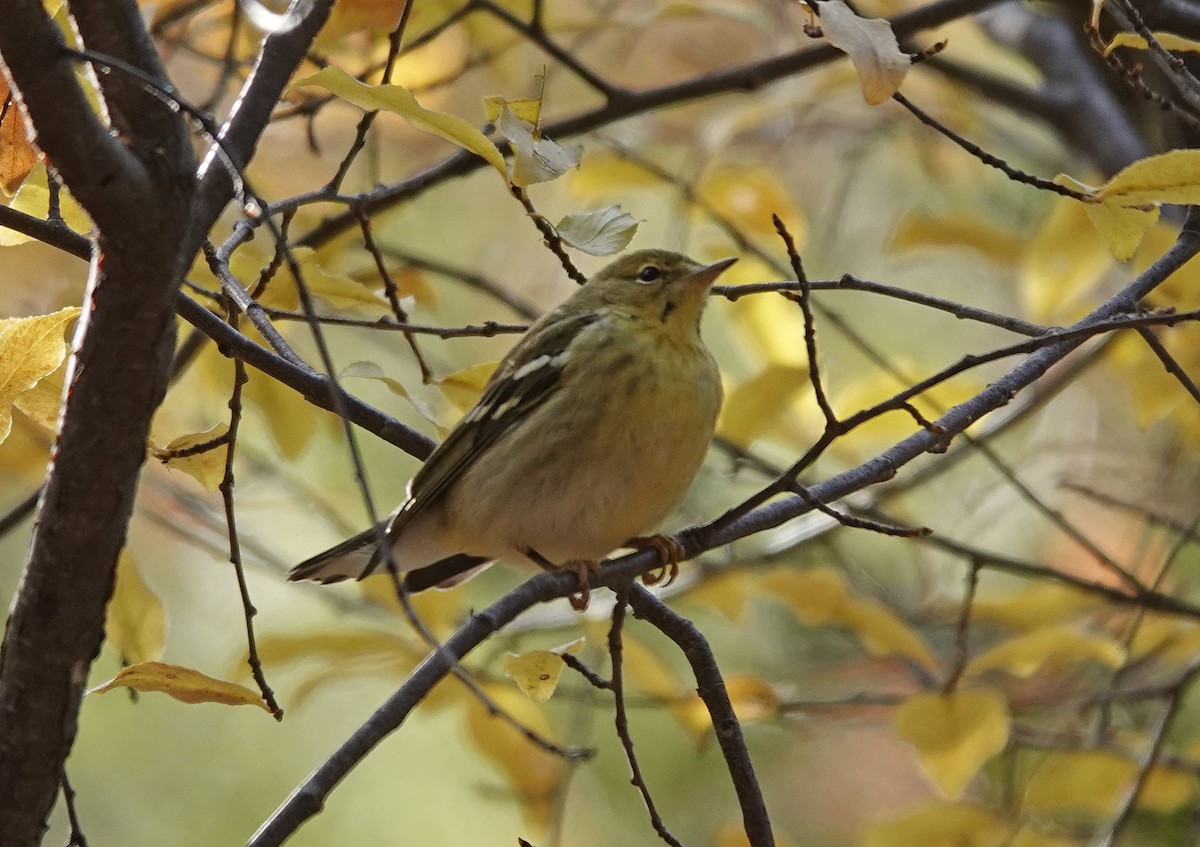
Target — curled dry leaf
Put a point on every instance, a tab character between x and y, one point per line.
18	156
535	159
599	233
871	46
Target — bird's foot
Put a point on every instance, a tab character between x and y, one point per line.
584	569
670	554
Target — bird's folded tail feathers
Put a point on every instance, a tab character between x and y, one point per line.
357	557
354	558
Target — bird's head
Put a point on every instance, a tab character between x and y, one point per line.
656	285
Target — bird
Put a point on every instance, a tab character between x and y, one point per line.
585	438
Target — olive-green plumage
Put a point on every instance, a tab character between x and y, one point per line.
587	435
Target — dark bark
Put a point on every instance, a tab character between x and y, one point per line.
140	187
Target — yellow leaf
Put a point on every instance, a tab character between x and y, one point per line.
353	15
462	388
371	370
889	428
30	349
748	197
533	773
728	593
184	684
381	648
440	611
955	733
136	626
1182	288
331	291
1168	40
1029	837
411	282
17	154
326	657
871	46
941	824
33	198
1063	263
1171	177
1024	655
41	404
1035	606
606	174
769	323
1166	637
537	672
733	834
757	404
648	672
292	419
752	697
207	466
528	110
819	597
918	229
1121	226
397	99
1094	782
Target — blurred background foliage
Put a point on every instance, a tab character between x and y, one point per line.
836	642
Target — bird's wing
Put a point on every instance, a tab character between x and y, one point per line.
525	379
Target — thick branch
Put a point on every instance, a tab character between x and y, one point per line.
141	198
117	376
103	175
114	27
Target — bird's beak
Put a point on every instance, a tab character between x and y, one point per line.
707	274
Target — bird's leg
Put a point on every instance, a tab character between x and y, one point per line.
584	570
670	554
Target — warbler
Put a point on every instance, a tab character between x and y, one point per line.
586	437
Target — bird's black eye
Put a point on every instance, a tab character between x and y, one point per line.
649	274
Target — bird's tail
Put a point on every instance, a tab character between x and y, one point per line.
354	558
358	557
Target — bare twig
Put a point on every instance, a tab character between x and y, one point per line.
617	686
77	838
810	326
549	236
711	687
235	550
984	156
962	631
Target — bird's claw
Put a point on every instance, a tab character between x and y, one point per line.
670	554
584	570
